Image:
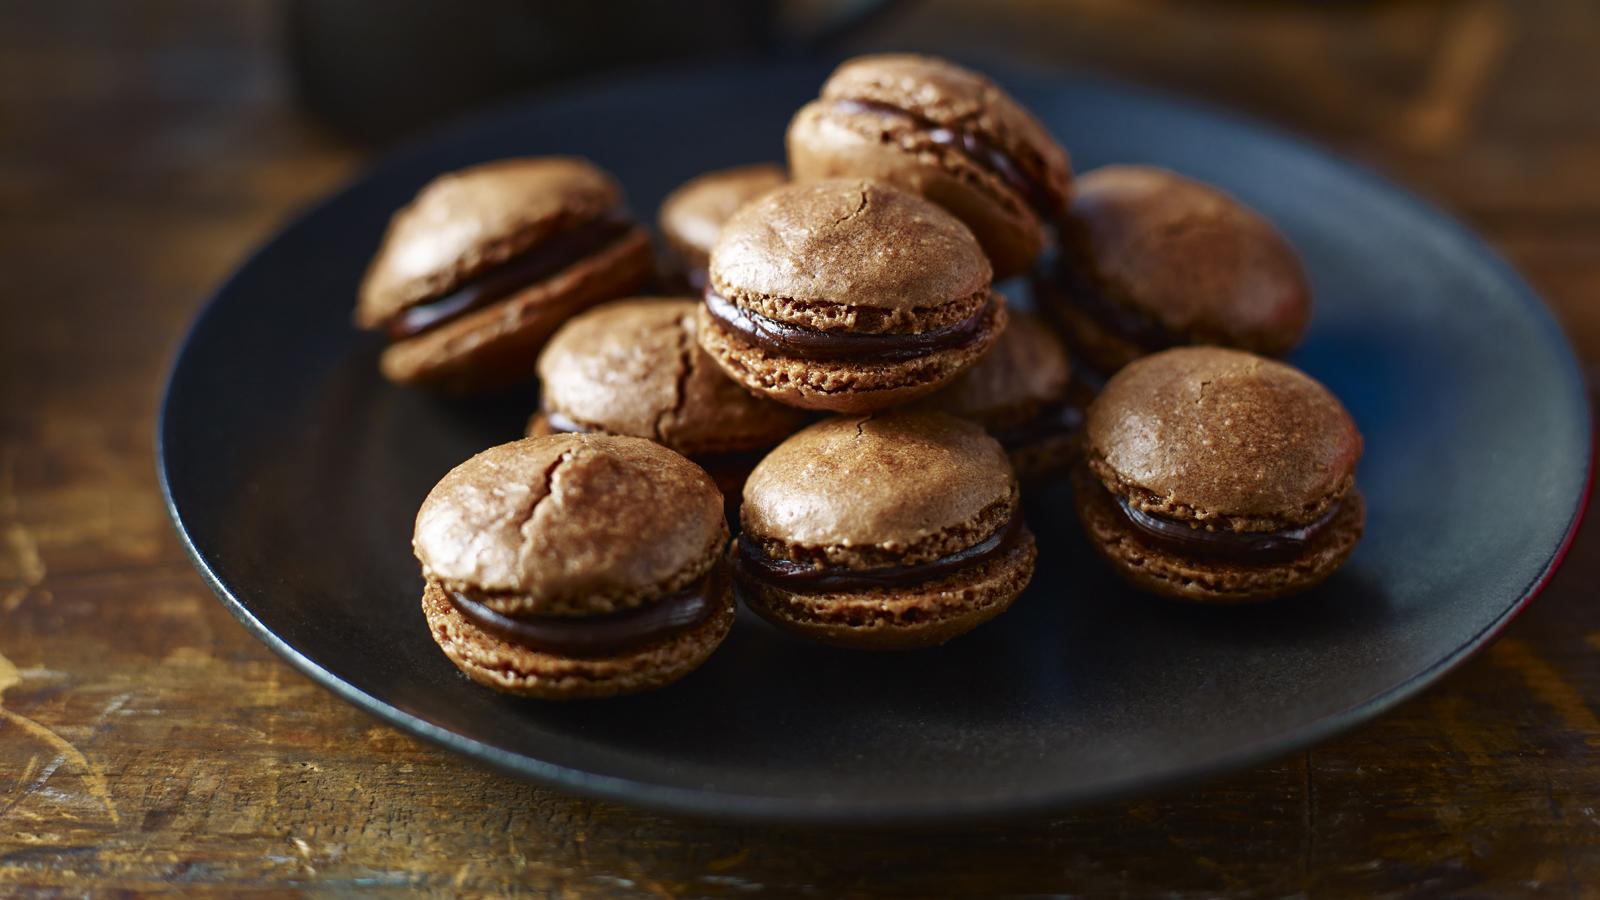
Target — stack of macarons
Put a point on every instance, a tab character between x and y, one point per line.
814	399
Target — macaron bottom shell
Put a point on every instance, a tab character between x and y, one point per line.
515	669
1212	581
899	618
844	386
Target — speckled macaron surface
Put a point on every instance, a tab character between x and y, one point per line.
477	271
947	133
1217	475
1152	259
575	565
890	531
1024	394
692	216
848	296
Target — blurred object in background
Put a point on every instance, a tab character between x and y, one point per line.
378	69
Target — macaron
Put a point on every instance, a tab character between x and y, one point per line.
477	271
575	565
692	216
1218	476
892	531
1151	259
848	296
1025	395
944	132
633	367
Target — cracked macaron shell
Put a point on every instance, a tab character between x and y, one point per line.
1199	262
465	222
890	489
825	140
850	255
571	524
692	216
634	367
1222	436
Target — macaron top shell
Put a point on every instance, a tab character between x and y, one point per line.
949	95
692	216
1027	370
571	524
869	491
1224	436
465	222
634	367
1193	258
850	254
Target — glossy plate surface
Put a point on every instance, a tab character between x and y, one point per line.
293	472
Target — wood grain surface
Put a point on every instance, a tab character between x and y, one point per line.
148	744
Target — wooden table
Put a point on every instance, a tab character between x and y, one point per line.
147	742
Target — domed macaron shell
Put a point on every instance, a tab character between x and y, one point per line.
847	296
892	531
946	133
1219	476
1152	260
476	272
692	216
575	565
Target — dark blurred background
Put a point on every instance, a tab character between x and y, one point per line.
147	145
182	98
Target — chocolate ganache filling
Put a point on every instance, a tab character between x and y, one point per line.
971	144
1232	546
536	264
602	634
803	578
561	423
811	343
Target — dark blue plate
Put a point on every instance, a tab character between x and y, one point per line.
293	473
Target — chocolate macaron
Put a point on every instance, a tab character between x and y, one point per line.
892	531
847	295
1151	259
1218	476
946	133
477	271
575	565
633	367
1024	394
692	216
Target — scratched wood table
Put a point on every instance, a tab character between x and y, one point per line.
148	743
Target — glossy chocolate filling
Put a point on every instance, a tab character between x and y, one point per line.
558	422
603	634
803	578
810	343
1085	294
538	263
973	145
1231	546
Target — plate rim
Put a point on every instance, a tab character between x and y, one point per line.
729	806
